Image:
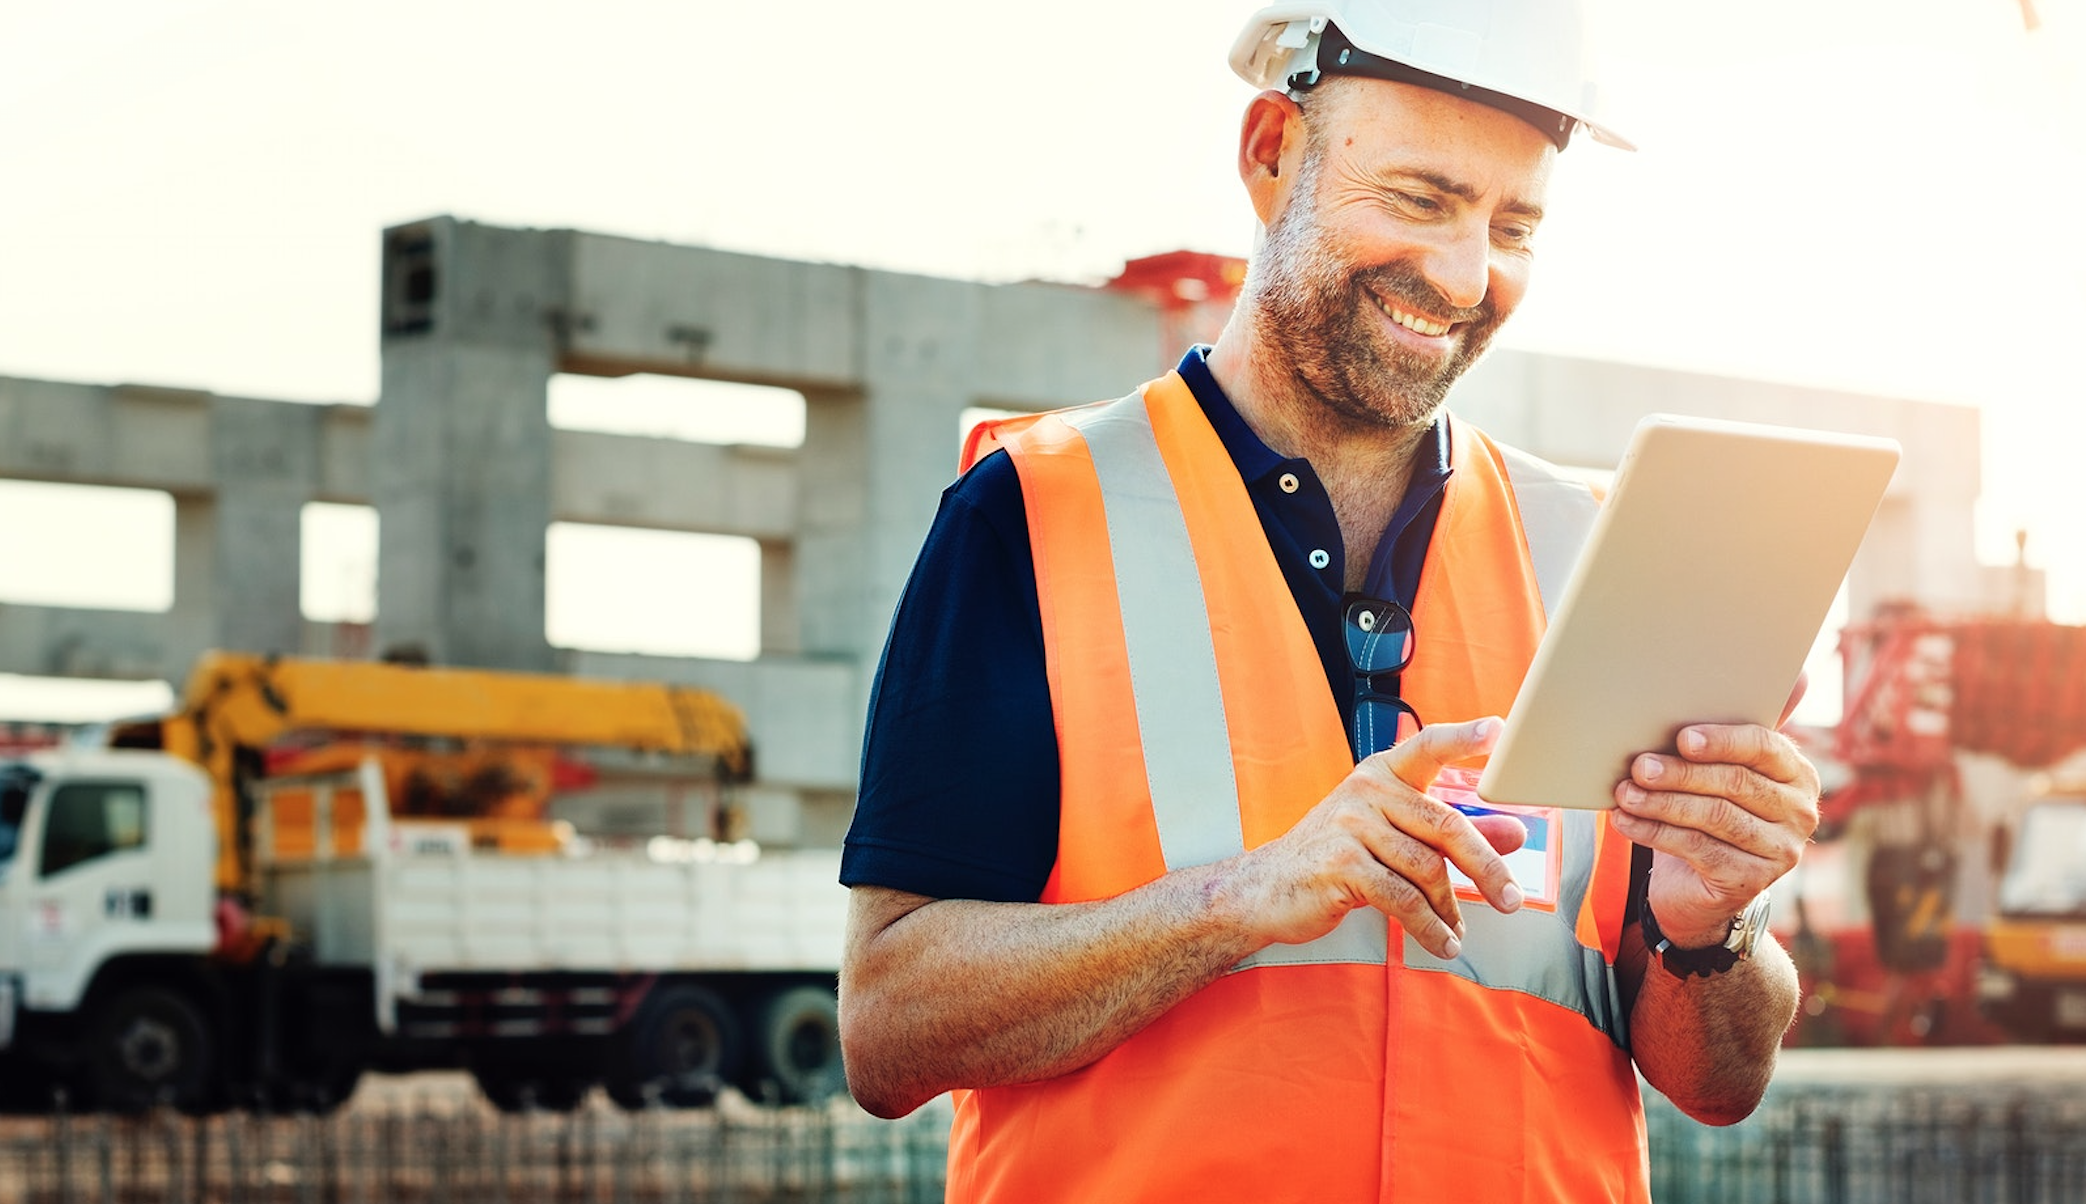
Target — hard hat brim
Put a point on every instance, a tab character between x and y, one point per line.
1268	50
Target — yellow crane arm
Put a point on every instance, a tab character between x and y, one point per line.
250	700
238	703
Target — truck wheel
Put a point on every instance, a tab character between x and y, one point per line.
799	1047
152	1047
682	1047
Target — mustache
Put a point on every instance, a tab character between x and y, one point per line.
1408	289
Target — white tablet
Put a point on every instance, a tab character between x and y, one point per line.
1704	583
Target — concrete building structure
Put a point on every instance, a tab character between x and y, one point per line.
460	460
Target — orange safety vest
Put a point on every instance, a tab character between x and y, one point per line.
1194	722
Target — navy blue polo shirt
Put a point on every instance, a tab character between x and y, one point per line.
959	792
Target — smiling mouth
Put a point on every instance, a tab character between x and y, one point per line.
1411	321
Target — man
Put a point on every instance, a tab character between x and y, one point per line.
1133	873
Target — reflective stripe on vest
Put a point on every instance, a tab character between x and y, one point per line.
1173	665
1170	639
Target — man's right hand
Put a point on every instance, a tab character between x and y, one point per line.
1379	840
945	993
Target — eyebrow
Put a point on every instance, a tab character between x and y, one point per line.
1466	192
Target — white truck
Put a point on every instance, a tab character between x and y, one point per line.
662	971
2033	979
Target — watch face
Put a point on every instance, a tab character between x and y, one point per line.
1746	929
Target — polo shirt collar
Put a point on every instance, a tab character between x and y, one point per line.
1255	460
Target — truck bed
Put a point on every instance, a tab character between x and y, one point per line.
407	913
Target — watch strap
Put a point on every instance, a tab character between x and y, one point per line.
1711	960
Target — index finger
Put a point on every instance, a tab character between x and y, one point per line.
1418	762
1440	832
1470	850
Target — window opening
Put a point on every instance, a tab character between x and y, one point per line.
87	546
337	569
662	593
674	407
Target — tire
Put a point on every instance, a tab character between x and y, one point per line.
152	1047
680	1049
798	1050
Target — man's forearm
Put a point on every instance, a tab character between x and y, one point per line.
1709	1044
958	993
939	994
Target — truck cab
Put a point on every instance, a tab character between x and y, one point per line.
2034	979
104	860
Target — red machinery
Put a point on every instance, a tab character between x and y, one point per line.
1897	965
1921	688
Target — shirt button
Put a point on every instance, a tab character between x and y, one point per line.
1288	482
1319	558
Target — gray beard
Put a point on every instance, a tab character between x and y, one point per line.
1325	322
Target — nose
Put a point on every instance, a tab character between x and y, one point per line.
1459	266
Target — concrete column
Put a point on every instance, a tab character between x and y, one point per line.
873	465
781	633
191	624
1882	571
462	441
1921	551
832	509
264	457
922	347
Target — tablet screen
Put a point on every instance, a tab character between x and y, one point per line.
1703	584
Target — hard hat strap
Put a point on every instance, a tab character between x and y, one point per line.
1338	56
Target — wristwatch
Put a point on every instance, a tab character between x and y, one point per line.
1711	959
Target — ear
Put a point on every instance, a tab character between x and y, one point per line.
1271	145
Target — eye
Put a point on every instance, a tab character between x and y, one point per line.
1417	203
1513	234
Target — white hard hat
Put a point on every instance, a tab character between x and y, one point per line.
1524	56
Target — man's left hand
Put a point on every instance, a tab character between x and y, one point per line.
1727	817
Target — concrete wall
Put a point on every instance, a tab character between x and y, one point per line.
459	459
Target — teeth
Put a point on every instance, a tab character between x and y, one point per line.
1412	322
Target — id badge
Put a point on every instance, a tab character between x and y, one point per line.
1536	866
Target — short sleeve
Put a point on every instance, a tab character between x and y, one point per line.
959	795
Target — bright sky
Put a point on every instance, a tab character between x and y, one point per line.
1866	194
